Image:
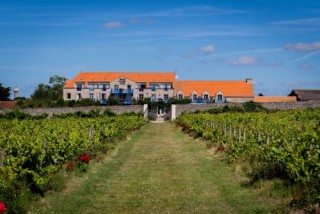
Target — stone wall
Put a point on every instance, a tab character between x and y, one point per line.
179	107
51	111
271	106
292	105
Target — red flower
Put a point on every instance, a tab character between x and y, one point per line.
85	158
221	149
2	207
70	166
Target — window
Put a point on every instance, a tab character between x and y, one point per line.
153	97
219	97
79	87
140	96
116	87
79	96
104	87
166	96
205	96
194	96
180	96
69	96
91	87
103	96
91	96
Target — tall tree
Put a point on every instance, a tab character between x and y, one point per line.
57	83
57	80
4	93
52	92
42	92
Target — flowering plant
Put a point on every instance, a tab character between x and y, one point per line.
70	166
84	158
221	149
2	207
79	163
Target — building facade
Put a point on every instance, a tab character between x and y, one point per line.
154	85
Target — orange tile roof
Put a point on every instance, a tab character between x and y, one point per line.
228	88
7	104
110	76
274	99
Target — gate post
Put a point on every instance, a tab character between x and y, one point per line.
173	112
145	112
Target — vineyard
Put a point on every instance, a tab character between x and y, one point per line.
284	144
33	151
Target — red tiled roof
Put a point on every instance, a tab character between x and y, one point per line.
228	88
110	76
7	104
274	99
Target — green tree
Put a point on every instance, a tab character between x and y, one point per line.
52	92
57	83
4	93
57	80
42	92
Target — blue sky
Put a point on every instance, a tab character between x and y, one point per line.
277	43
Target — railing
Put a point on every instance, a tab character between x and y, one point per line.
121	91
126	102
200	100
224	100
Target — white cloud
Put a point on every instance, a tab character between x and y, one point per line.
115	24
244	60
203	50
302	83
207	49
303	46
307	56
306	66
313	21
137	21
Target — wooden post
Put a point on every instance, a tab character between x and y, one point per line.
244	135
224	129
230	131
259	136
234	133
267	140
239	134
1	157
292	142
44	148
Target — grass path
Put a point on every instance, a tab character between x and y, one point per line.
159	170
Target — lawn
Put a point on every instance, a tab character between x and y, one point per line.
161	170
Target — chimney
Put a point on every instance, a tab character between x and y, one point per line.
249	80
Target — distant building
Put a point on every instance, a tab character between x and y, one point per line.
305	95
156	86
15	92
274	99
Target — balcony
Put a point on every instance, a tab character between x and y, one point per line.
223	100
121	91
126	102
200	100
